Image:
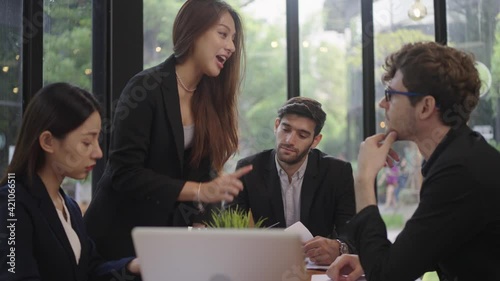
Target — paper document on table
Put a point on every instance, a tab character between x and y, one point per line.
320	277
323	277
313	266
298	227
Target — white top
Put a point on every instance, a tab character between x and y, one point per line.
188	136
70	233
290	192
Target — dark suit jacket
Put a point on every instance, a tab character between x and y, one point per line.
41	247
455	229
326	200
147	166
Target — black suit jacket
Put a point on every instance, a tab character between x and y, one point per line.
147	166
326	200
41	248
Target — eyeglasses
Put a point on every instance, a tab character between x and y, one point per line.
389	92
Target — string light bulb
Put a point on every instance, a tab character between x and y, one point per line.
417	11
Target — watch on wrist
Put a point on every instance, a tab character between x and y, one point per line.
343	248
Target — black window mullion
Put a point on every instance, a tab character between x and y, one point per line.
101	16
440	24
117	55
292	47
368	56
32	49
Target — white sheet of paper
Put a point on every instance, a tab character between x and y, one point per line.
312	265
298	227
320	277
323	277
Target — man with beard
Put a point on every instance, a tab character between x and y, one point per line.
297	182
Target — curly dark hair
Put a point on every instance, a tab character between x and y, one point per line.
447	74
305	107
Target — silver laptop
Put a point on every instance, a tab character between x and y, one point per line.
218	254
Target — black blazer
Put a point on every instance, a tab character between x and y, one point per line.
326	200
147	166
40	245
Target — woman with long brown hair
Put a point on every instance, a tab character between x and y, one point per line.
175	126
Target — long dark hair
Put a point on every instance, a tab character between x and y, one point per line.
59	108
215	103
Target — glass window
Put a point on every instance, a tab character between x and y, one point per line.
474	26
265	86
10	78
67	42
67	57
397	23
331	71
159	19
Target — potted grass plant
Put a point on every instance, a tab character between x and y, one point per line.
233	217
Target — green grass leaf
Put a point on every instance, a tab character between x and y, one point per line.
232	218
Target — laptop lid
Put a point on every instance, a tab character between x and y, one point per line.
218	254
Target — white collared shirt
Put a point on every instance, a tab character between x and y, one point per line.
73	238
290	191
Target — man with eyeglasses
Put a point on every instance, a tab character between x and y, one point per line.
455	230
297	182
